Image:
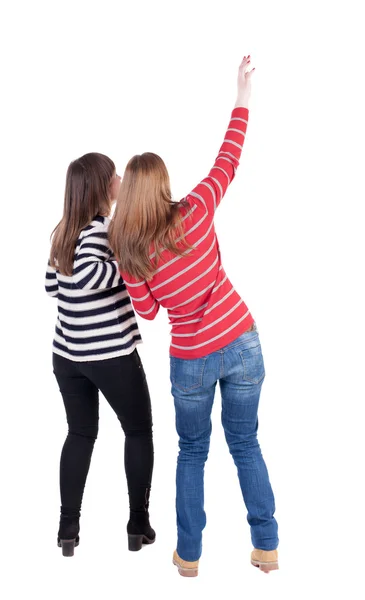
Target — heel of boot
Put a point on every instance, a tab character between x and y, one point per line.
135	542
68	547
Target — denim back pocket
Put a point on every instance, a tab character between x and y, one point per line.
187	375
253	364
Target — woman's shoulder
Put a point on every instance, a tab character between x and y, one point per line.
98	225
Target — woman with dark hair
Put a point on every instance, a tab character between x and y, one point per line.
94	348
168	254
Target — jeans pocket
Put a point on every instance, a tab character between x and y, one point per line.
253	364
187	375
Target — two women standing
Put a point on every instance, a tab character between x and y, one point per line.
168	255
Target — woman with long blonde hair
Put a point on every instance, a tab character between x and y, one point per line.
169	256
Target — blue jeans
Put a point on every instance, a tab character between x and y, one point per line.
239	368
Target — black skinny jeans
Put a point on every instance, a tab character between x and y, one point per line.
123	383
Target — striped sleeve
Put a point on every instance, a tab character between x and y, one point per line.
51	281
144	302
94	266
211	190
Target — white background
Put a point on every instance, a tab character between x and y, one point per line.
127	77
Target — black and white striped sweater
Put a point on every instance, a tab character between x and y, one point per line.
95	319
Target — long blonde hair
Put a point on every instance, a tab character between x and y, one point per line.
146	219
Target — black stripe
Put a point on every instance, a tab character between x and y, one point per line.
51	275
97	284
97	338
99	351
51	288
99	218
86	255
100	234
113	274
91	298
100	325
72	286
95	311
95	247
85	280
67	286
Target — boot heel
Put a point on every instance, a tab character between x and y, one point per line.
68	547
135	542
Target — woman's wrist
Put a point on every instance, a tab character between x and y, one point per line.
242	102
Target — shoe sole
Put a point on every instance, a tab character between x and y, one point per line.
265	567
135	542
185	571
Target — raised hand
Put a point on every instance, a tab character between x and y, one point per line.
244	82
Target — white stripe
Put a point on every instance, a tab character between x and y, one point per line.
201	308
95	319
219	302
223	171
193	334
195	195
134	284
187	314
183	271
95	345
228	160
219	285
229	154
143	297
213	192
219	185
187	322
237	131
97	330
146	312
177	257
89	294
184	287
79	277
81	307
233	143
194	298
173	260
239	119
214	338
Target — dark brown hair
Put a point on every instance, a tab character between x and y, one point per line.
146	218
87	194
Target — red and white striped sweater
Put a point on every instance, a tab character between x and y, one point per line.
205	311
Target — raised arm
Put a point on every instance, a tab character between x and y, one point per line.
144	303
95	267
211	190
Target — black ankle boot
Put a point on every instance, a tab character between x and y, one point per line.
68	533
138	528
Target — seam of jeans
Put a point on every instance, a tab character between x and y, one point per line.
245	378
195	386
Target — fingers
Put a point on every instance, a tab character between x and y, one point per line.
245	61
249	73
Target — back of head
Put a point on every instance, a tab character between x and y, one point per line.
87	194
145	217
